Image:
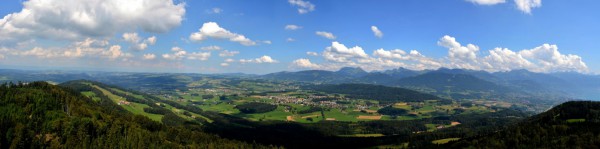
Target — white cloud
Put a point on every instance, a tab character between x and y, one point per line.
376	32
487	2
134	40
303	6
215	10
545	58
527	5
131	37
224	64
213	30
76	20
88	48
149	56
229	60
503	59
290	39
151	40
178	54
199	56
292	27
267	42
113	52
340	53
304	63
312	53
327	35
211	48
550	59
263	59
460	56
226	53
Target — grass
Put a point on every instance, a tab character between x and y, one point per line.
277	114
341	116
135	108
580	120
221	108
364	135
444	141
92	95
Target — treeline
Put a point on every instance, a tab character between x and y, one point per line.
569	125
380	93
389	110
41	115
255	107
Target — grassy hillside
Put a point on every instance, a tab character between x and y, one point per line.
41	115
569	125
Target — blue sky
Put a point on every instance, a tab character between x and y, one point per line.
417	34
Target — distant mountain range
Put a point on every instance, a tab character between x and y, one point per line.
444	81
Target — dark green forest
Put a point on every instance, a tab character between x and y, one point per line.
572	124
41	115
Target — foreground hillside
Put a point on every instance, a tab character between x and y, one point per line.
572	124
41	115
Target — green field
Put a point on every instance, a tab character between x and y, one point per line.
581	120
364	135
444	141
133	107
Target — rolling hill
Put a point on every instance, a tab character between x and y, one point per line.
569	125
41	115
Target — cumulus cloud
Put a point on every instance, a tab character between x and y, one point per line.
229	60
178	54
213	30
136	43
226	53
527	5
292	27
460	56
263	59
550	59
544	58
113	52
199	56
487	2
338	52
290	39
76	20
312	53
327	35
303	6
304	63
88	48
211	48
376	32
224	64
149	56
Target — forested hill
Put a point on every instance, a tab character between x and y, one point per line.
572	124
41	115
375	92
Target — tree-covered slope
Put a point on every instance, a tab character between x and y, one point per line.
572	124
41	115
